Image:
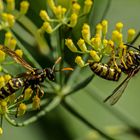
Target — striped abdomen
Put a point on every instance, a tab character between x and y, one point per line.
12	86
105	71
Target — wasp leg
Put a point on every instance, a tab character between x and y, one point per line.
40	92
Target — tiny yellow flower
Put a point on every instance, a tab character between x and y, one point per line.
1	131
73	20
44	15
1	6
36	102
2	56
21	109
7	77
104	27
10	5
58	11
96	43
12	44
99	28
69	43
19	52
115	33
8	37
28	93
47	27
79	61
10	19
94	55
82	45
119	26
51	4
76	8
3	106
4	16
24	6
87	6
130	35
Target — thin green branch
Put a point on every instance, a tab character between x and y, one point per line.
135	39
106	9
56	101
69	105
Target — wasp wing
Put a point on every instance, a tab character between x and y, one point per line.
18	59
117	93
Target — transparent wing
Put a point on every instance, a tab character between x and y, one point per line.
117	93
18	59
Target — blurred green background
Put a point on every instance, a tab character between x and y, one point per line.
60	124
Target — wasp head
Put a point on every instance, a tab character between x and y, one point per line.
50	73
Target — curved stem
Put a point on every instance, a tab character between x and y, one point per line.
69	105
48	108
135	39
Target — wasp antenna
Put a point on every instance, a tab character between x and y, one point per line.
131	46
64	69
56	62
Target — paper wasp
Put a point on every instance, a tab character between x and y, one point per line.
32	78
130	67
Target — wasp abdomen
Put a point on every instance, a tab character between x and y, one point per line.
105	71
12	86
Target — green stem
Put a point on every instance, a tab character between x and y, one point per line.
56	101
106	9
135	39
69	105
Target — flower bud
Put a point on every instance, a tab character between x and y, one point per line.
130	35
82	45
10	20
2	56
44	15
99	28
19	52
28	93
3	106
104	27
51	4
79	61
119	26
73	20
47	27
94	55
36	102
87	6
1	131
21	109
7	77
10	5
76	8
69	43
24	6
1	6
96	43
12	44
7	40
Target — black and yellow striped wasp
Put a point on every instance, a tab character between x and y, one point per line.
130	65
32	78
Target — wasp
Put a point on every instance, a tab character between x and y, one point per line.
32	78
130	66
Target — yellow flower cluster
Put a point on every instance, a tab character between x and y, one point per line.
62	16
99	45
7	15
